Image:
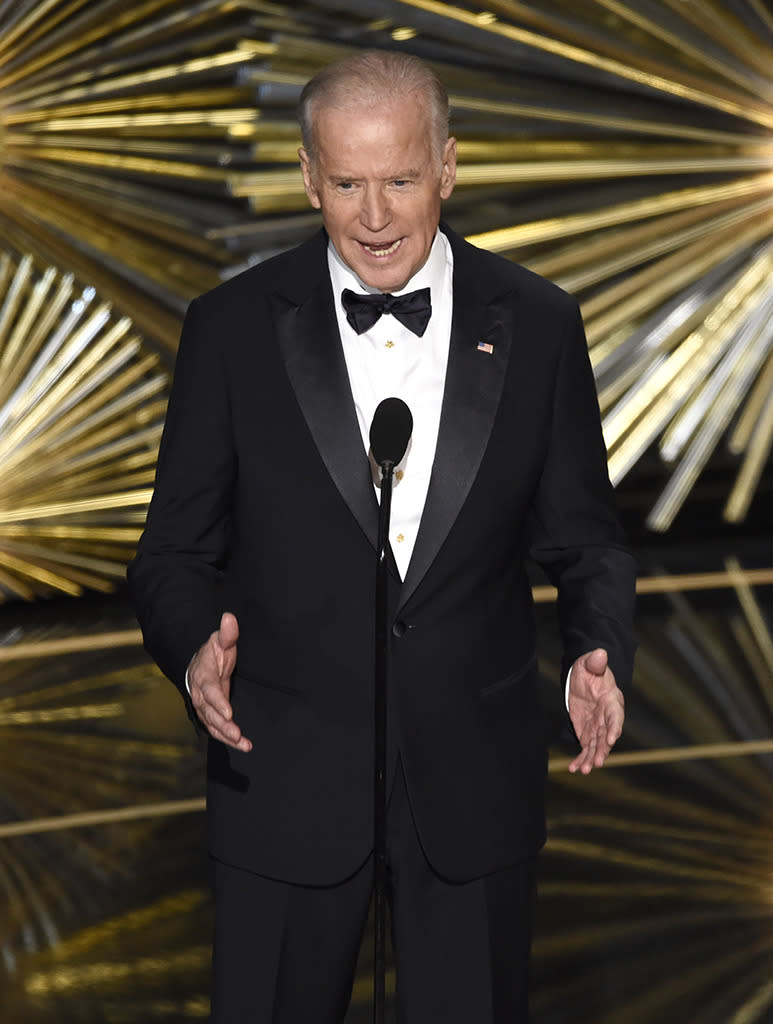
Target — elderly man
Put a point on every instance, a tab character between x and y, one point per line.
254	579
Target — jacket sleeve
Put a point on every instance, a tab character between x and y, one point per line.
174	579
577	537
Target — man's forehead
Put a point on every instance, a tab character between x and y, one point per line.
358	114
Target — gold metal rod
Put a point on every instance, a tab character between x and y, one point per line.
752	410
751	470
107	502
590	170
171	102
646	288
45	716
730	32
744	368
167	73
672	755
681	44
719	99
87	819
40	574
504	239
594	260
508	108
756	621
15	585
634	424
763	13
71	645
74	534
99	158
38	14
676	584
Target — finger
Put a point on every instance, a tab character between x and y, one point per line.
225	640
214	696
596	662
222	727
600	747
228	633
613	735
233	739
584	760
602	752
581	764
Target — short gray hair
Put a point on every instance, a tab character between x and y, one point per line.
370	78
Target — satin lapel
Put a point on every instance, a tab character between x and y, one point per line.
473	387
313	357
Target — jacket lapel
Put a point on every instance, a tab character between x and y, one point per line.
307	331
473	387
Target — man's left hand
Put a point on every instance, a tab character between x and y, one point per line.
596	708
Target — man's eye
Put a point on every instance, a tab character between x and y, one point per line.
400	182
347	186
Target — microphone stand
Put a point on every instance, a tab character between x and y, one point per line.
390	434
380	748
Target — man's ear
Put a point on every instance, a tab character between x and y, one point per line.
308	178
448	173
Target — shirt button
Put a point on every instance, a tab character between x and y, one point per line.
389	344
400	538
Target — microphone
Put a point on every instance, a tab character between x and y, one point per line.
390	432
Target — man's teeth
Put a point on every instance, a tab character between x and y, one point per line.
384	251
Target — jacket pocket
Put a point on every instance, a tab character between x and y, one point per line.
256	680
503	684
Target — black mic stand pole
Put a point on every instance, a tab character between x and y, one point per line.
380	735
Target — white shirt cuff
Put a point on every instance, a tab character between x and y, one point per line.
566	688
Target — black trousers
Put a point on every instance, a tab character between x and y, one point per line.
286	954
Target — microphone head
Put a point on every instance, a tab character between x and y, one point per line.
390	431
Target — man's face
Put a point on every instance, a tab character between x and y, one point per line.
379	185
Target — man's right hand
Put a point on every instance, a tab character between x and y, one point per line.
209	681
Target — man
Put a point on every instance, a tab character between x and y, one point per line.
254	580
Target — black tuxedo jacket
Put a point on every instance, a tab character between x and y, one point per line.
264	506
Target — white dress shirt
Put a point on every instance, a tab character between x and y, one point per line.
390	361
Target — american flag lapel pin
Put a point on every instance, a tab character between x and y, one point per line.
487	347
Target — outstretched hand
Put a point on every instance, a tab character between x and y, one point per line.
596	708
209	681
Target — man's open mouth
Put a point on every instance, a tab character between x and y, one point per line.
385	249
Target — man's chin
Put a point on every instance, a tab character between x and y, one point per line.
386	277
385	282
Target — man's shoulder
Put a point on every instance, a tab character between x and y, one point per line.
276	273
502	274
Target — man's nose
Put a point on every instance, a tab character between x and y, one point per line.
375	213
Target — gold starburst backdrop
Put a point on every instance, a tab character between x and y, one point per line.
82	402
622	148
86	724
147	151
655	897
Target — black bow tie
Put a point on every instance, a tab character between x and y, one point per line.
412	309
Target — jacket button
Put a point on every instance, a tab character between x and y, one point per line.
399	628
